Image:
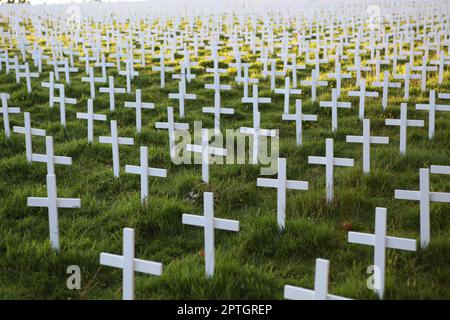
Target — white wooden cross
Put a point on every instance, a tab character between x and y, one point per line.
29	132
273	73
111	90
256	100
51	86
357	68
407	77
144	171
171	125
362	94
162	68
440	62
129	264
330	161
103	65
62	100
205	150
385	84
49	157
299	117
6	111
338	76
217	110
432	107
281	184
182	95
92	80
209	223
314	83
366	139
293	67
403	123
423	69
380	241
287	91
246	80
129	73
320	291
28	75
334	105
139	105
257	132
424	196
115	141
90	116
52	202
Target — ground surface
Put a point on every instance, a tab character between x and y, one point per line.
254	263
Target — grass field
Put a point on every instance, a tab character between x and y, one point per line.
253	263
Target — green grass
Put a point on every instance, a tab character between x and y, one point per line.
253	263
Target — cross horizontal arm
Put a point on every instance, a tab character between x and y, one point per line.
391	242
199	221
116	261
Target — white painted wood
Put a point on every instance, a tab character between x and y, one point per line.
380	241
330	161
6	111
112	90
171	126
49	158
209	223
320	291
129	264
299	117
403	123
52	202
314	83
386	84
145	171
366	139
115	141
287	91
440	169
362	94
90	116
424	196
139	105
432	107
334	105
29	132
281	184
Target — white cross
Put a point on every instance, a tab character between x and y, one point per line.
403	123
386	84
62	100
334	105
358	69
380	241
362	94
115	141
103	64
205	150
432	107
281	184
92	80
51	85
246	80
294	67
257	132
338	76
129	264
49	158
440	64
52	202
129	73
86	58
28	75
182	95
90	116
144	171
320	291
256	100
162	68
366	139
330	161
171	125
314	83
217	111
139	105
274	73
407	77
287	91
6	111
423	72
111	90
66	69
299	117
424	196
29	132
209	223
